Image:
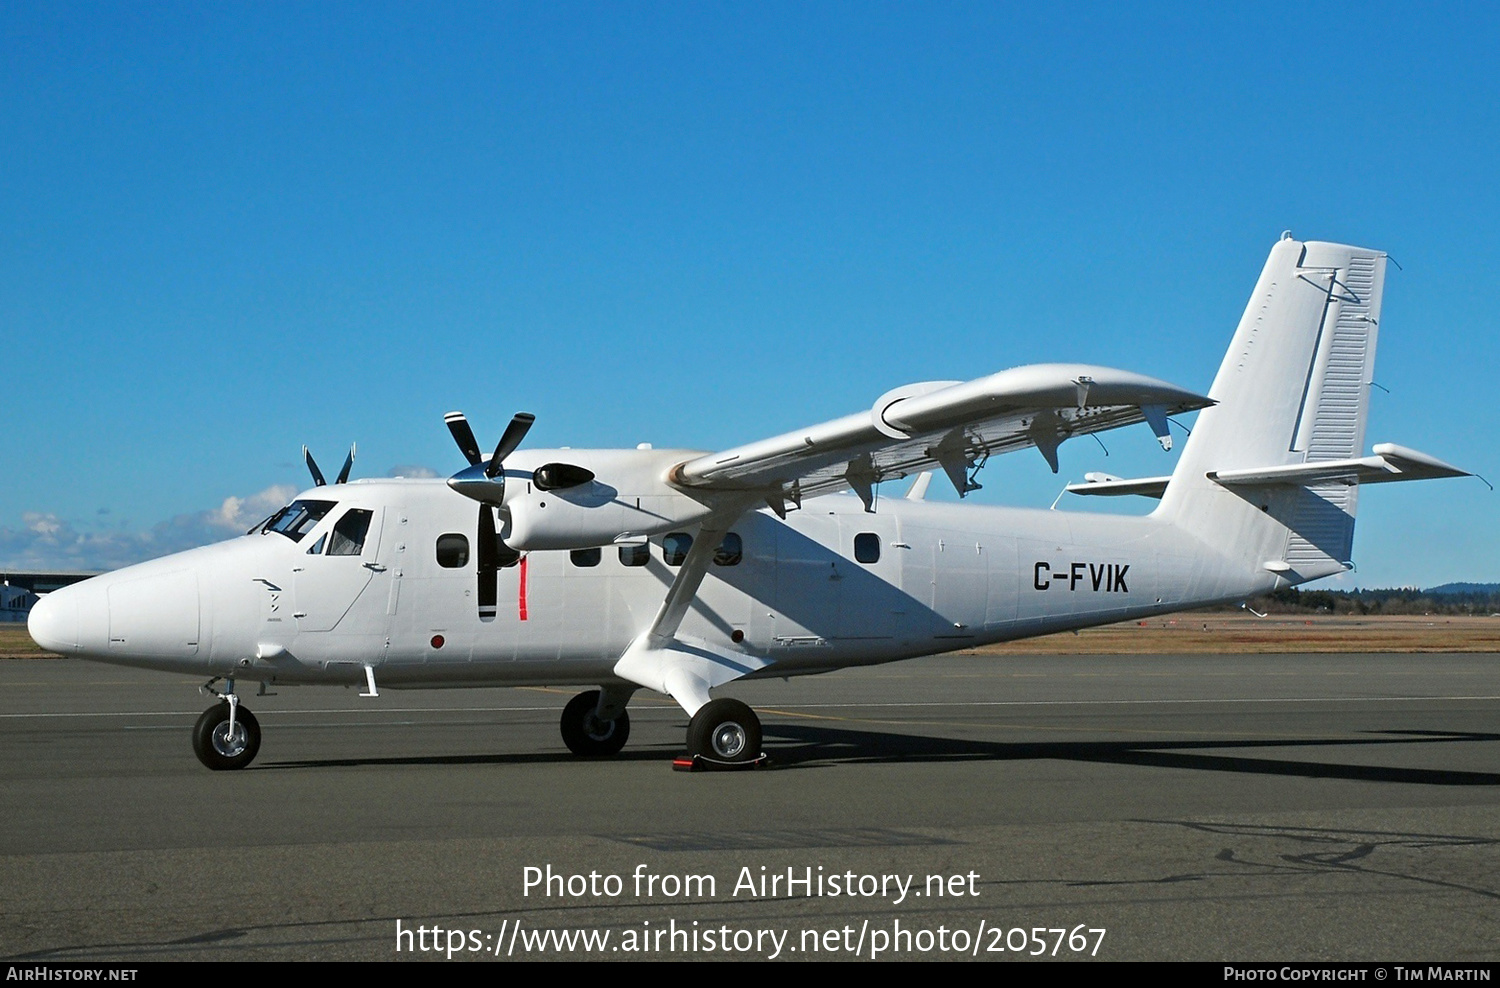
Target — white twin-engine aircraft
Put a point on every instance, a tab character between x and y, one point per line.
680	571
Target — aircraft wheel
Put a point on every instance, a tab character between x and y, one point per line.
725	730
214	745
585	734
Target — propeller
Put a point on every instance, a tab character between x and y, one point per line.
485	482
317	475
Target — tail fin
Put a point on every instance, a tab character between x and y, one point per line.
1293	389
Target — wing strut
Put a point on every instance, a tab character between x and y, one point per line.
685	587
686	669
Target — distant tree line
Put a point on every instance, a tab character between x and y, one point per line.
1451	599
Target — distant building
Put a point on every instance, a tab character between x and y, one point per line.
15	603
20	590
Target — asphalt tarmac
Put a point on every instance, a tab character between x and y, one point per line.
1270	807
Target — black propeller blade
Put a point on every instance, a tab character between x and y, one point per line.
317	475
514	433
464	436
312	467
348	464
489	564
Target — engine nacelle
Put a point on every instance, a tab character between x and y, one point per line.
627	499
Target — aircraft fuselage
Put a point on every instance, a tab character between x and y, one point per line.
831	585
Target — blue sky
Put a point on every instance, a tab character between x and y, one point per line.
229	229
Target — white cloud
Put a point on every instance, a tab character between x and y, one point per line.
237	514
43	525
45	541
411	470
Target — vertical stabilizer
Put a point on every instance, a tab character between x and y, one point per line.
1293	389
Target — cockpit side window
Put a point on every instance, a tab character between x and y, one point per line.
349	533
298	518
265	526
260	526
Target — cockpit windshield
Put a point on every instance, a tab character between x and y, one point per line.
298	518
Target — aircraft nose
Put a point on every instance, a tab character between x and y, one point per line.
129	615
53	622
155	612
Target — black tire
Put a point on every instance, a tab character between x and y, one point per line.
587	735
213	745
724	730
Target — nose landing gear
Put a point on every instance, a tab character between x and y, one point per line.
227	735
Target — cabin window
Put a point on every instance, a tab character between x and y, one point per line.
674	547
635	555
317	547
730	551
452	551
867	547
585	557
349	534
298	518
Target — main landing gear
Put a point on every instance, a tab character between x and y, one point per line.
724	731
723	734
227	736
587	733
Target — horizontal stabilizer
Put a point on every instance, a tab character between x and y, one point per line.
1390	463
1105	485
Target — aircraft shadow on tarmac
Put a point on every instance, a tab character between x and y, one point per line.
819	745
798	746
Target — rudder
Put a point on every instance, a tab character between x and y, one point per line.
1293	389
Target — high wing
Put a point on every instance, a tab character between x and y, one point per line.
948	424
954	425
